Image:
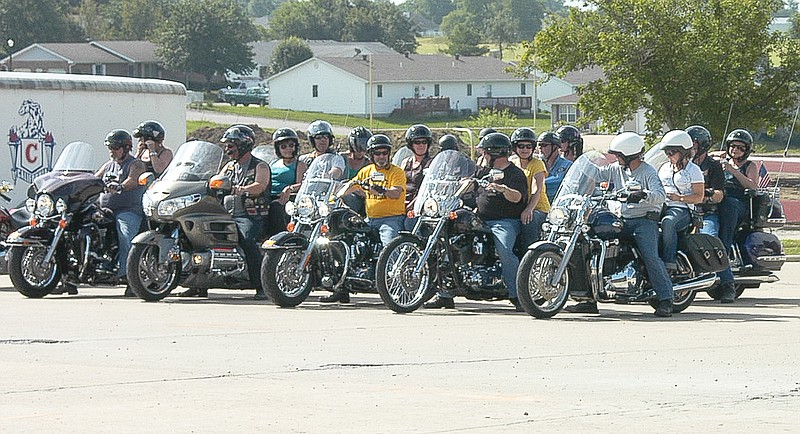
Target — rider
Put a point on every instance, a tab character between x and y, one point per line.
448	142
123	195
571	142
499	206
524	141
418	139
740	174
713	195
320	136
151	150
286	174
356	158
481	159
640	214
557	166
683	183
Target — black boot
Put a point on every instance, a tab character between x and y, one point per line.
664	308
65	288
727	292
583	307
341	297
193	292
439	302
129	292
260	295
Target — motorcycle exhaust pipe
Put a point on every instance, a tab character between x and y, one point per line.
696	284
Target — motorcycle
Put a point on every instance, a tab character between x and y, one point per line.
584	255
194	241
10	220
449	249
327	245
70	238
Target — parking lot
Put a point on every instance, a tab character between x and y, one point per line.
101	362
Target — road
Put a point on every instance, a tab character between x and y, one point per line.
101	362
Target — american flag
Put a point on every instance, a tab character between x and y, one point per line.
763	177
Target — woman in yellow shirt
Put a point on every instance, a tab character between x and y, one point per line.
524	141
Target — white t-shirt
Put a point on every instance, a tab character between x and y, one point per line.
680	182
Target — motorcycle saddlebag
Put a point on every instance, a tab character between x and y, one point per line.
706	252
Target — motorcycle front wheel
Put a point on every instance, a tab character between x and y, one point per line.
283	277
149	279
401	289
535	294
30	276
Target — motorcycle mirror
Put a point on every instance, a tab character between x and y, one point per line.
31	193
377	177
219	182
496	174
147	178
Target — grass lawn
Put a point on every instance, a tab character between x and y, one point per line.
437	45
791	247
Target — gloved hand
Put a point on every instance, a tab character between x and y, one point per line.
708	192
636	196
378	189
114	187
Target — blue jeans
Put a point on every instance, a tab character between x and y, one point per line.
250	230
128	224
505	233
388	227
674	220
645	232
711	227
532	231
735	211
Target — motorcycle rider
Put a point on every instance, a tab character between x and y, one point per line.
385	200
151	149
286	173
320	137
248	200
683	183
640	214
571	142
713	195
356	158
523	141
481	159
500	205
123	195
448	142
555	164
740	174
419	139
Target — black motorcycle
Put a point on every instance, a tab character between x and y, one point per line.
70	238
10	220
450	248
584	255
327	245
195	242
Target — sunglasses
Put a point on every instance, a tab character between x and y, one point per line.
380	153
739	147
114	148
670	152
419	142
525	146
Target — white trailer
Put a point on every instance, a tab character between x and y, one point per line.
43	112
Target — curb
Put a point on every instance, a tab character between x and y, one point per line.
792	258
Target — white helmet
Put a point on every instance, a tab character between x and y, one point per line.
677	139
627	144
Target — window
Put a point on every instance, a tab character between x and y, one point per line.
380	91
314	91
99	69
567	113
435	90
469	89
416	91
522	89
488	91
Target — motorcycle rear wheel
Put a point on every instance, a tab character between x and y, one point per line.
535	294
149	279
400	288
284	284
29	276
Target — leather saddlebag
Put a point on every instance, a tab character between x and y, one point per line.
706	252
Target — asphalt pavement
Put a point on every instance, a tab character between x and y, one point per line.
101	362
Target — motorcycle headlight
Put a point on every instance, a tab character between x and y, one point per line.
305	206
61	206
558	216
290	208
30	205
147	205
430	208
44	205
324	209
169	207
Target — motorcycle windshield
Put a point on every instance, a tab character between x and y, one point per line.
583	176
442	181
265	153
324	172
194	161
656	156
79	157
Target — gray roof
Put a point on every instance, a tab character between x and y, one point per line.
136	51
81	52
570	99
418	67
321	48
583	76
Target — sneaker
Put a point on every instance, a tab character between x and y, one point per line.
664	308
440	302
341	297
728	293
517	306
583	307
193	292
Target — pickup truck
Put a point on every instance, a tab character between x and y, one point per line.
253	95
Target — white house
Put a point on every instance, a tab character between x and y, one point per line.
378	83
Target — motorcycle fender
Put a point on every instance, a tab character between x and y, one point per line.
155	238
30	235
285	240
545	246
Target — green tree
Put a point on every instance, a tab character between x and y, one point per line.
463	35
31	21
207	37
287	53
434	10
795	20
684	61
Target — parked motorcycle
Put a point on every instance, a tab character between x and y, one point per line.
195	242
584	255
70	238
11	219
449	249
327	244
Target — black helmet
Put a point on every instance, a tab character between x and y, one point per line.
319	128
549	138
484	132
496	145
416	132
448	142
740	135
241	136
282	134
149	130
119	139
379	141
702	136
357	139
523	134
572	136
